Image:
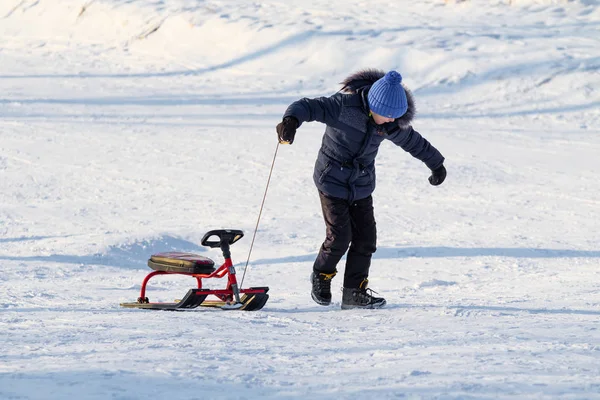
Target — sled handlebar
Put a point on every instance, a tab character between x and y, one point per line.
225	236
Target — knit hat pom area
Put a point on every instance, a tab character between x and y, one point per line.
387	96
393	77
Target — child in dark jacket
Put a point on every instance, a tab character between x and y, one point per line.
370	107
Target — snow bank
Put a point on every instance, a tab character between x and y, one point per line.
533	52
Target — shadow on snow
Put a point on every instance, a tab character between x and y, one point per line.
127	255
137	253
442	252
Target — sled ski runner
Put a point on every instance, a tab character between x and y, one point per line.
249	301
200	267
255	300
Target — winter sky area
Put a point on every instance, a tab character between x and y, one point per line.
131	127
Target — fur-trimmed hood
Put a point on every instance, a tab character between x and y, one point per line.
364	79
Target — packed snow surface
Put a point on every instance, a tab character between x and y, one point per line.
133	127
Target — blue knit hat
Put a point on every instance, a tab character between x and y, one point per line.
387	96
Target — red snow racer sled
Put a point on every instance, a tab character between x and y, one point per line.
200	267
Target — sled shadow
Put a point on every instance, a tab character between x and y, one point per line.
126	255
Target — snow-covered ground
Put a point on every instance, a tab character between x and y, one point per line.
129	127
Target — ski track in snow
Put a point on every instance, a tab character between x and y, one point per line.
133	127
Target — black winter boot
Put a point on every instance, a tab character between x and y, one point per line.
321	287
361	297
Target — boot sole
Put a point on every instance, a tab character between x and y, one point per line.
367	307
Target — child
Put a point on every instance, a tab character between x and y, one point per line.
370	107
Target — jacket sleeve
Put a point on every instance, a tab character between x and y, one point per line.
323	109
412	142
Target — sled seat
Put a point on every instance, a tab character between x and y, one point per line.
179	262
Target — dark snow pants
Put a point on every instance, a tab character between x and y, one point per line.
348	225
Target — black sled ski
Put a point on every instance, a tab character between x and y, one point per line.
192	299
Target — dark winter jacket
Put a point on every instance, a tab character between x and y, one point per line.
345	166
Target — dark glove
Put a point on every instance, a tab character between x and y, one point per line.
438	175
286	130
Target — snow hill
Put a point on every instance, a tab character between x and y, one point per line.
129	127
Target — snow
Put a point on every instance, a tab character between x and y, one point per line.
130	127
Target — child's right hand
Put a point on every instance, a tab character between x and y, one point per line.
286	130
